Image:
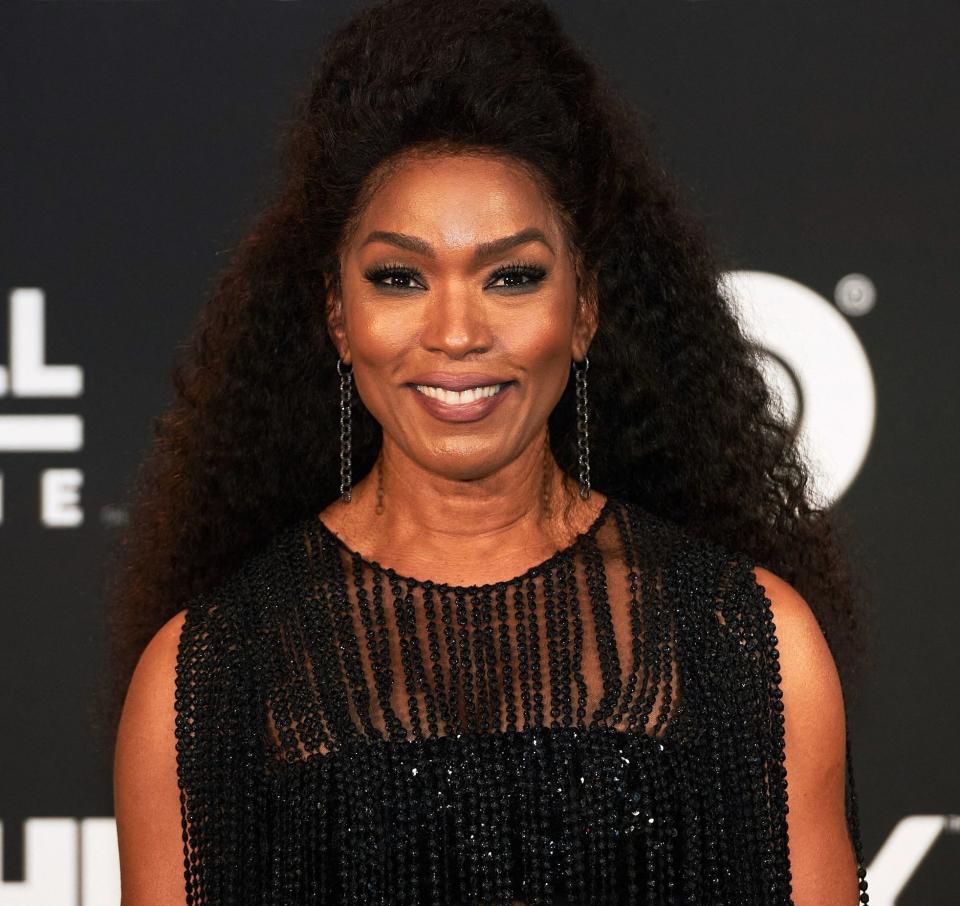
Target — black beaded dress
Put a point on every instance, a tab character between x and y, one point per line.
605	728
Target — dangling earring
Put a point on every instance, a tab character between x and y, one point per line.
583	437
346	380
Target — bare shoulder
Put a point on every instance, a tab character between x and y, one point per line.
801	642
149	697
145	784
821	854
810	681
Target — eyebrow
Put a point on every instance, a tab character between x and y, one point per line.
482	251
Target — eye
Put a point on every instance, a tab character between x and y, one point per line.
399	277
523	274
397	272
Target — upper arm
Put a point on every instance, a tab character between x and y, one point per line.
822	862
145	788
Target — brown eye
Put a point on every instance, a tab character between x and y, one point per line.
519	276
393	272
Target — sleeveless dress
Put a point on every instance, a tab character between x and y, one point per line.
604	728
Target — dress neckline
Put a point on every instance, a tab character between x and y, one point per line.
534	570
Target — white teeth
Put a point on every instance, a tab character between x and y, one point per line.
459	397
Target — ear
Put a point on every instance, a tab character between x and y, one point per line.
335	321
587	319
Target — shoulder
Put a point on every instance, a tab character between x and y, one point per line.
805	656
157	663
801	666
145	786
823	862
729	583
812	694
149	696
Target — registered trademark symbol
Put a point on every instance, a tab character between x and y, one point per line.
855	295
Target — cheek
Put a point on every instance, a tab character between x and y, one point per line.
541	343
378	332
378	345
378	338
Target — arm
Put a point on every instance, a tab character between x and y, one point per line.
822	862
145	788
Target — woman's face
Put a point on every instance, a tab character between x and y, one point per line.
458	274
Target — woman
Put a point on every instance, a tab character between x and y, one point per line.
471	676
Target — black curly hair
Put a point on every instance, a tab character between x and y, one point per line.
682	422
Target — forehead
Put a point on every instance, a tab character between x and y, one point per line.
457	199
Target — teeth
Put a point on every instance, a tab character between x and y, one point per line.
459	397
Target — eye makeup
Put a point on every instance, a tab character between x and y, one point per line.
529	273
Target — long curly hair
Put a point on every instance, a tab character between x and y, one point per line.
682	422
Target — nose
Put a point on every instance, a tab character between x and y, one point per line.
456	323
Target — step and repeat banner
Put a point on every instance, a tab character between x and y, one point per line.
819	141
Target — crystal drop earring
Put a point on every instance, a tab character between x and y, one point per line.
346	381
583	437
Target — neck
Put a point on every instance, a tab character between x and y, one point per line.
402	513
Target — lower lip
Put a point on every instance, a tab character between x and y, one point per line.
465	412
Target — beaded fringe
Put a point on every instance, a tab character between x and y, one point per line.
605	728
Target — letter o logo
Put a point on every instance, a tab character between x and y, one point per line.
815	365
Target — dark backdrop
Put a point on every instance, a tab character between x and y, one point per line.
820	143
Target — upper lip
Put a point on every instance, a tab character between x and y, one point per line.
449	381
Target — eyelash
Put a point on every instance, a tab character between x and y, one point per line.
533	272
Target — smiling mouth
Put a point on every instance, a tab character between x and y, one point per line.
460	397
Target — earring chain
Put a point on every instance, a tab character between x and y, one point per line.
346	381
583	435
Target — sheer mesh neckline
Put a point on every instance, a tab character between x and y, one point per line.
534	570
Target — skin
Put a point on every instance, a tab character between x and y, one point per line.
822	861
448	486
489	487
